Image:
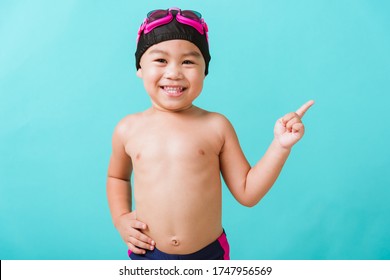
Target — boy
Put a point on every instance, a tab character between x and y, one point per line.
177	150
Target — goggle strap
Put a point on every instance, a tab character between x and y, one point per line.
197	25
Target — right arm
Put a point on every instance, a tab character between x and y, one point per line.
119	196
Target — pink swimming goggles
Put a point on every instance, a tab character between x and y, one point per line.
157	18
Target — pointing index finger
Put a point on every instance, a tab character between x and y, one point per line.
302	110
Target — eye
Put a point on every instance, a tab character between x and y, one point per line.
160	60
188	62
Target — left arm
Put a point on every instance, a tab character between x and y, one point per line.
249	184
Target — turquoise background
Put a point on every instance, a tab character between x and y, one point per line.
67	76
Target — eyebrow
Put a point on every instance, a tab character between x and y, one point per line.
158	52
190	53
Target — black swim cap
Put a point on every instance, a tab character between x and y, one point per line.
172	31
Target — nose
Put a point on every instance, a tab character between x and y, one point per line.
173	72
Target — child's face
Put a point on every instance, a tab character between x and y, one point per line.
173	73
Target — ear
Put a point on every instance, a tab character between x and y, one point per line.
139	73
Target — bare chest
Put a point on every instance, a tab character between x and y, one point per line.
181	144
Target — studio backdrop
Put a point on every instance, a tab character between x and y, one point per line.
67	76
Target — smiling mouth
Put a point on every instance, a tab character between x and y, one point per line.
173	91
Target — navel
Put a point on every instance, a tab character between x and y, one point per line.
138	156
175	241
201	152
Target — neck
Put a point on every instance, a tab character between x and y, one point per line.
185	110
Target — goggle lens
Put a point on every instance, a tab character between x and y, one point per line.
157	14
194	15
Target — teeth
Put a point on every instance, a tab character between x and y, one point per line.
173	89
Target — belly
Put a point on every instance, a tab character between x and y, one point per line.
181	219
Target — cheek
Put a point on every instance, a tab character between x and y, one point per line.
152	75
196	73
198	78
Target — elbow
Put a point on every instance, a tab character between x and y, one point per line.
249	202
249	205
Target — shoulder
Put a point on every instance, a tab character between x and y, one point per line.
218	120
127	125
219	124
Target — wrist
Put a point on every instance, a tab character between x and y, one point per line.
118	218
279	148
